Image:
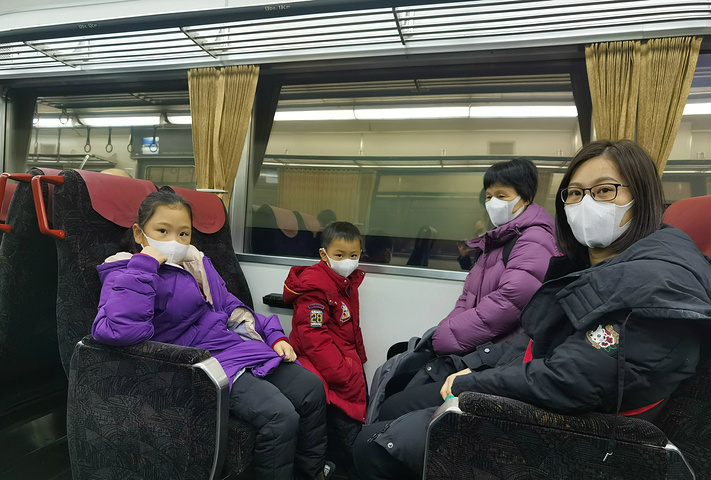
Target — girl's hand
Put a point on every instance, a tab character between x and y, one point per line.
447	387
284	349
153	252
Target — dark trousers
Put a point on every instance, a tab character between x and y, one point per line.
373	462
288	409
342	433
411	399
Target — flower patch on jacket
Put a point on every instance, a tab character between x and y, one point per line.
604	338
345	313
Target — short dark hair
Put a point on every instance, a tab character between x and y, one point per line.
639	173
340	230
163	197
518	173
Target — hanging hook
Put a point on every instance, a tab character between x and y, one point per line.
59	143
87	145
109	147
153	147
129	147
36	145
64	116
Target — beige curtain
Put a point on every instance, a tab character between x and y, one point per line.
221	106
614	85
666	70
347	193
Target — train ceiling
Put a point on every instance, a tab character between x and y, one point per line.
330	29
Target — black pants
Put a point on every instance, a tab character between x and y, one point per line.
411	399
342	433
373	462
288	409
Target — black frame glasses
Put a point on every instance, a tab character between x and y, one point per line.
595	191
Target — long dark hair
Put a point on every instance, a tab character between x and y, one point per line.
163	197
640	173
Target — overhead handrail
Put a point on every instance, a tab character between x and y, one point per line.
109	147
20	177
40	206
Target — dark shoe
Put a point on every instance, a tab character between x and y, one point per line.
328	470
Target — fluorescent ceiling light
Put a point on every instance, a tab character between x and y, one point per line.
121	121
697	109
299	115
180	119
411	113
49	122
524	111
423	113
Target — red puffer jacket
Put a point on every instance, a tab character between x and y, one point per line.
326	332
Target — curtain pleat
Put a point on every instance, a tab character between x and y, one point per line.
221	103
666	70
614	85
347	193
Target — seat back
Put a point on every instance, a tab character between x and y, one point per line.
31	373
277	231
692	216
95	211
686	419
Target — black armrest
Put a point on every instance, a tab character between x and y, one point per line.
515	412
276	300
150	409
164	352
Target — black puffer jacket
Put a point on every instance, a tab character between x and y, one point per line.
646	311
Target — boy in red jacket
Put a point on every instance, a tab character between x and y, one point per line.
326	333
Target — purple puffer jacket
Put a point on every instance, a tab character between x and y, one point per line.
494	293
140	301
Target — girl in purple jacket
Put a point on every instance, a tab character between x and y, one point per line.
170	292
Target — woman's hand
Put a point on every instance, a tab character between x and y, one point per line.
446	390
153	252
463	249
284	349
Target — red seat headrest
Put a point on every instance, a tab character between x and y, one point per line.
692	216
7	196
208	210
116	198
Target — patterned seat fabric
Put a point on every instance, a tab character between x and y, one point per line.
141	411
33	381
500	438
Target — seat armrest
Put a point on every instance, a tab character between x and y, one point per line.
150	410
601	424
164	352
276	300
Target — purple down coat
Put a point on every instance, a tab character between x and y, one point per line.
494	293
142	301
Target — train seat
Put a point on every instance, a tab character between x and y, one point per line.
32	380
151	410
278	231
478	435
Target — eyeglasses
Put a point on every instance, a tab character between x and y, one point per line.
604	192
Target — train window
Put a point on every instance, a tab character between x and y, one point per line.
404	161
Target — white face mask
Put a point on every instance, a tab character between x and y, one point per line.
596	224
342	267
500	211
174	251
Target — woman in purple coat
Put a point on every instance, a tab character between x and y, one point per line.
510	262
170	292
496	288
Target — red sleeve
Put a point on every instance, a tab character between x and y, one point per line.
310	324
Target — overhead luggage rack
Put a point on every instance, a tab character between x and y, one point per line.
330	29
67	161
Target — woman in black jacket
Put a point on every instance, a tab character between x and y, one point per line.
629	295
